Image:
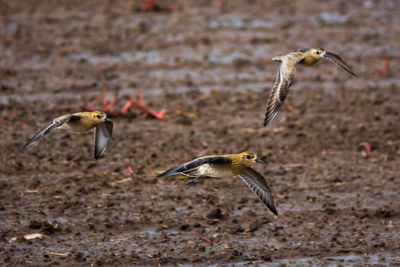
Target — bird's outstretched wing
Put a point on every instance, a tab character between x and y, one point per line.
278	58
339	61
257	183
277	95
102	136
190	166
57	122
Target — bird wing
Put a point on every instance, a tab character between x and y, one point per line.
277	95
257	183
339	61
278	58
102	136
190	166
57	122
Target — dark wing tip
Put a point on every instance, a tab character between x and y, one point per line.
170	172
352	73
97	154
349	69
33	140
167	173
25	146
340	62
266	120
274	211
270	114
103	133
270	205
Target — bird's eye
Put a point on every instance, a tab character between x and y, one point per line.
98	116
248	157
318	52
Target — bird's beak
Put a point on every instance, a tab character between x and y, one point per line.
259	160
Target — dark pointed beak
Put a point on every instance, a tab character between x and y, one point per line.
259	160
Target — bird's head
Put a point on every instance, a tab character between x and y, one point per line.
249	158
99	116
317	52
310	56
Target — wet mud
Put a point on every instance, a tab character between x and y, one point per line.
332	154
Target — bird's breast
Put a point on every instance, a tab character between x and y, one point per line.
79	126
309	61
217	171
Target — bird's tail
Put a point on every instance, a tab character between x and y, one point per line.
173	171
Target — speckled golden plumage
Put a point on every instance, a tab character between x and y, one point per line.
88	120
286	74
228	165
81	122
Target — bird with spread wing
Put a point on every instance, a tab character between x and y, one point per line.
220	166
286	74
81	122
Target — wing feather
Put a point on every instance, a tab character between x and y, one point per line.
102	136
257	183
339	61
190	166
277	95
57	122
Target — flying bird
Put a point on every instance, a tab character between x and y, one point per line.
286	75
219	166
81	122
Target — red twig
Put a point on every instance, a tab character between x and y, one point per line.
367	146
206	239
126	107
383	71
105	99
94	102
110	107
130	170
148	5
136	100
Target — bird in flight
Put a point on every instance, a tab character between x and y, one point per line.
286	74
81	122
229	165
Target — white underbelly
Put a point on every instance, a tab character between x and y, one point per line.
206	170
76	127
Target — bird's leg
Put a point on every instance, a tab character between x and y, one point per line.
193	182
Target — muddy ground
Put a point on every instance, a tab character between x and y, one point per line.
208	64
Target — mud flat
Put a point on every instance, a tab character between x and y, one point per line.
208	65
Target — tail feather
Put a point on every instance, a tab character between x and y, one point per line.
173	171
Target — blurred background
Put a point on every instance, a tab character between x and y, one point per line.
182	79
